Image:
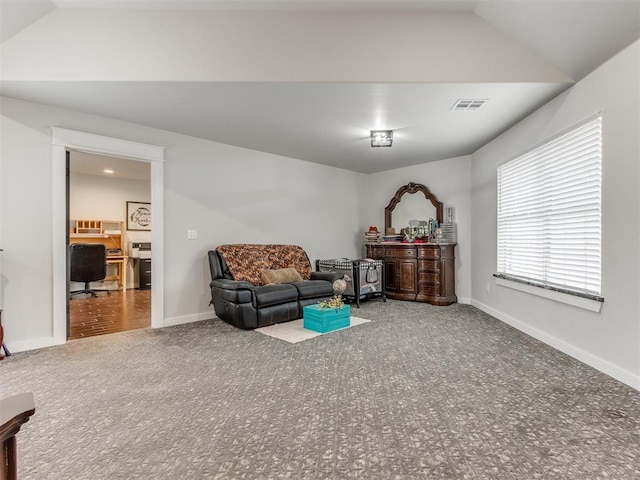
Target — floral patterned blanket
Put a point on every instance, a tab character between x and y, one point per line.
246	261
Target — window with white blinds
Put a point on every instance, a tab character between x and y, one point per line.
549	213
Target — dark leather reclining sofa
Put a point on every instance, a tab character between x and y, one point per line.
240	296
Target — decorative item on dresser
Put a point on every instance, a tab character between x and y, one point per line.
419	272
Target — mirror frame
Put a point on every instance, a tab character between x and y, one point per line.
412	188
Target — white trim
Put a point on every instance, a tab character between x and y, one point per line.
576	301
59	243
195	317
44	342
464	300
620	374
34	344
157	245
63	140
91	143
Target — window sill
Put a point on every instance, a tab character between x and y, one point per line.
580	302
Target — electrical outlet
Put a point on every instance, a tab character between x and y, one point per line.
192	234
488	287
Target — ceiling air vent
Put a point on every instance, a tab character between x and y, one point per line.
468	105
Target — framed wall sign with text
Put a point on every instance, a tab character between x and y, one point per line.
138	216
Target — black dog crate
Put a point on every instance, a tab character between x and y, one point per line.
364	277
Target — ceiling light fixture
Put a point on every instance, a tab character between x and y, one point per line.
106	170
381	138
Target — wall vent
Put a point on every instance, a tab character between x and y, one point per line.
467	105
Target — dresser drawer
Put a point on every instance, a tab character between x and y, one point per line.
431	290
429	277
429	252
430	265
400	252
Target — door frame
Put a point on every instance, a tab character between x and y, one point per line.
64	140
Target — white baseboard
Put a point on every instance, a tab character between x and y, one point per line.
32	344
620	374
36	343
465	300
196	317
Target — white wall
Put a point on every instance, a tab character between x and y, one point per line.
26	230
610	340
94	197
450	181
227	193
234	195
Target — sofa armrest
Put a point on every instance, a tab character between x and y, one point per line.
231	291
328	276
227	284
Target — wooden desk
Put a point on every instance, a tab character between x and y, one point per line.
121	262
108	233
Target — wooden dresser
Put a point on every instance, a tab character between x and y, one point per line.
418	272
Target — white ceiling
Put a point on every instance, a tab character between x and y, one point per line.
322	123
90	164
328	122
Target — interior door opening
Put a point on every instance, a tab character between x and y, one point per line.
108	225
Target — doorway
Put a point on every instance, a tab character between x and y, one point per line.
100	190
64	140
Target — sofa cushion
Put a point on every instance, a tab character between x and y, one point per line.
267	295
282	275
313	289
246	261
278	313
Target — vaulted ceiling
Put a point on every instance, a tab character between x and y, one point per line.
309	79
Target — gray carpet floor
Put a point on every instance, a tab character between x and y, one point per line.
421	392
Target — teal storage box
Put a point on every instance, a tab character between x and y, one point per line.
325	320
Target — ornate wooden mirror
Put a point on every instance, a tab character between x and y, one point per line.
416	208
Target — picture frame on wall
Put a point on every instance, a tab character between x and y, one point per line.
139	216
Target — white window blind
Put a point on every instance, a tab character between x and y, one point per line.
549	213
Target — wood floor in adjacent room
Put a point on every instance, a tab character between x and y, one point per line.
118	312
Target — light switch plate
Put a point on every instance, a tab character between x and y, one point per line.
192	234
450	214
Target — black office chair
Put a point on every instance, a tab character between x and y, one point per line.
88	263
